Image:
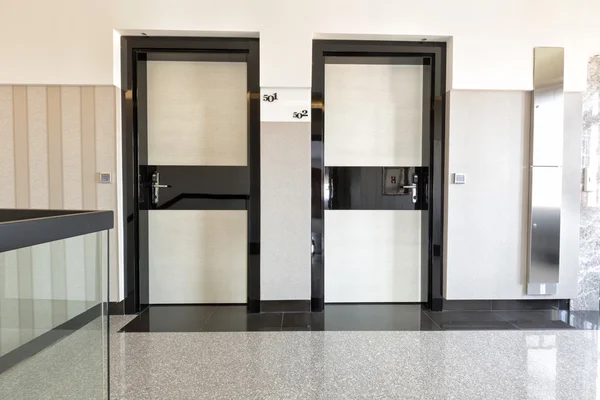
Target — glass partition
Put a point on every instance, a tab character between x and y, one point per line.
53	320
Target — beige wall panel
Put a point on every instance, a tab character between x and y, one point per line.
25	283
55	167
37	121
9	314
75	272
71	148
88	147
41	265
21	143
106	194
59	282
7	155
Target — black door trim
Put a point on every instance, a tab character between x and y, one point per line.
436	51
137	48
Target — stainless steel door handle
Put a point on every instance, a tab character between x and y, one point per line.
156	185
414	191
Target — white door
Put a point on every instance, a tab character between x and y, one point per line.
374	181
197	123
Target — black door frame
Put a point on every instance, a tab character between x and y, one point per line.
134	49
434	51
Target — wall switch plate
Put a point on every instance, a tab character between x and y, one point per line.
105	177
460	178
590	183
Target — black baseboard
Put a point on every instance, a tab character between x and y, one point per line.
267	306
506	305
437	304
38	344
116	308
253	306
123	307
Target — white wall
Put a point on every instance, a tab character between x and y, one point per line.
285	211
486	219
490	42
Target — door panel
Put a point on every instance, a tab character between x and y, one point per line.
373	256
197	256
197	181
197	113
373	115
375	181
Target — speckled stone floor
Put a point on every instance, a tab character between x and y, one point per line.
535	365
463	365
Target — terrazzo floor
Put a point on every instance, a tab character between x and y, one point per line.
510	364
535	365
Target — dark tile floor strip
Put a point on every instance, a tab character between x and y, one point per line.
356	317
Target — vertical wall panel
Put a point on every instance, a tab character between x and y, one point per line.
89	266
7	160
37	123
75	268
25	290
21	143
54	142
72	159
88	151
55	174
285	194
55	180
106	195
41	268
9	306
59	282
88	147
24	268
71	148
41	264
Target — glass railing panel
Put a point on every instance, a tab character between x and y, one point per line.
53	322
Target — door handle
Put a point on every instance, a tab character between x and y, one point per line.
156	185
413	190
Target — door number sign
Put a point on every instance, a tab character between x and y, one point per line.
270	97
285	104
301	114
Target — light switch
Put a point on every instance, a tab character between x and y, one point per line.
460	178
105	177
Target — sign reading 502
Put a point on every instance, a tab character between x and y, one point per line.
300	114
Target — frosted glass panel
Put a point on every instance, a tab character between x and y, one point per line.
197	113
197	256
373	115
372	256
